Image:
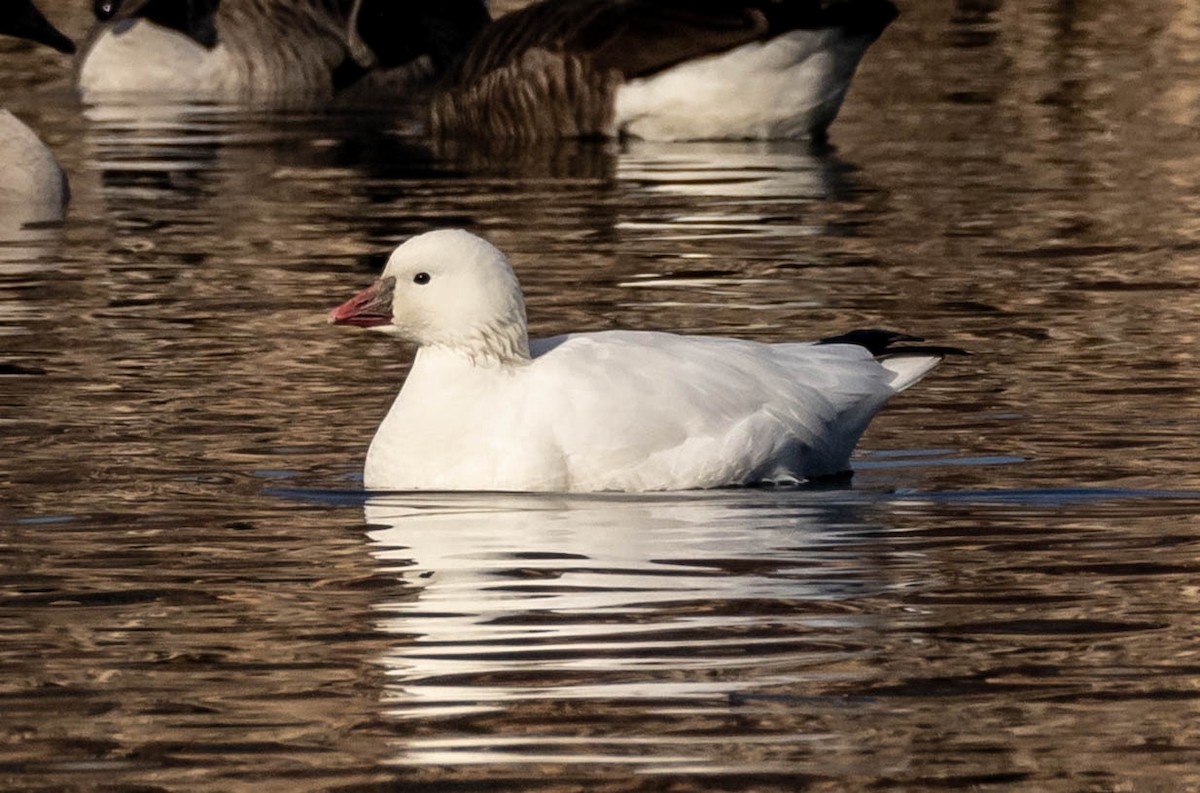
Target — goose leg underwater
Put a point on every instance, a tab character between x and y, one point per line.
486	408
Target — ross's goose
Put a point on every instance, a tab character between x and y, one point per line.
660	69
277	52
34	186
485	408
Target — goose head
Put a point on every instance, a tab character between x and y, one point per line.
22	19
446	289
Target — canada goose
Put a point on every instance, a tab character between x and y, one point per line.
279	52
660	69
34	186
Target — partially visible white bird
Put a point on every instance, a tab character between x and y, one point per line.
33	187
484	408
270	52
660	69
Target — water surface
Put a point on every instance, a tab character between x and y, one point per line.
196	595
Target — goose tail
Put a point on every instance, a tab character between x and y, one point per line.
896	352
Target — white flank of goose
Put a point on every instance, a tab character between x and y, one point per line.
34	186
485	408
660	69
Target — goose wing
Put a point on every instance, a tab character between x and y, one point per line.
666	410
634	37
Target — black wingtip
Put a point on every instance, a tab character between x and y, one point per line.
876	340
922	349
879	342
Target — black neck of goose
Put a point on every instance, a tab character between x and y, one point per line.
195	19
853	17
21	18
400	32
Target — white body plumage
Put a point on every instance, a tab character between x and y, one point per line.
136	57
791	86
34	187
485	409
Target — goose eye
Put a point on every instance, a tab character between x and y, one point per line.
421	279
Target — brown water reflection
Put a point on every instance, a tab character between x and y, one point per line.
800	639
193	597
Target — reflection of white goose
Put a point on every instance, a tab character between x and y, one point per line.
486	409
764	178
33	187
780	171
508	586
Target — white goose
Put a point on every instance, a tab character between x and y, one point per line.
660	69
34	186
276	52
484	408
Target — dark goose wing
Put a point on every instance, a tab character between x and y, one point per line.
552	69
636	37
